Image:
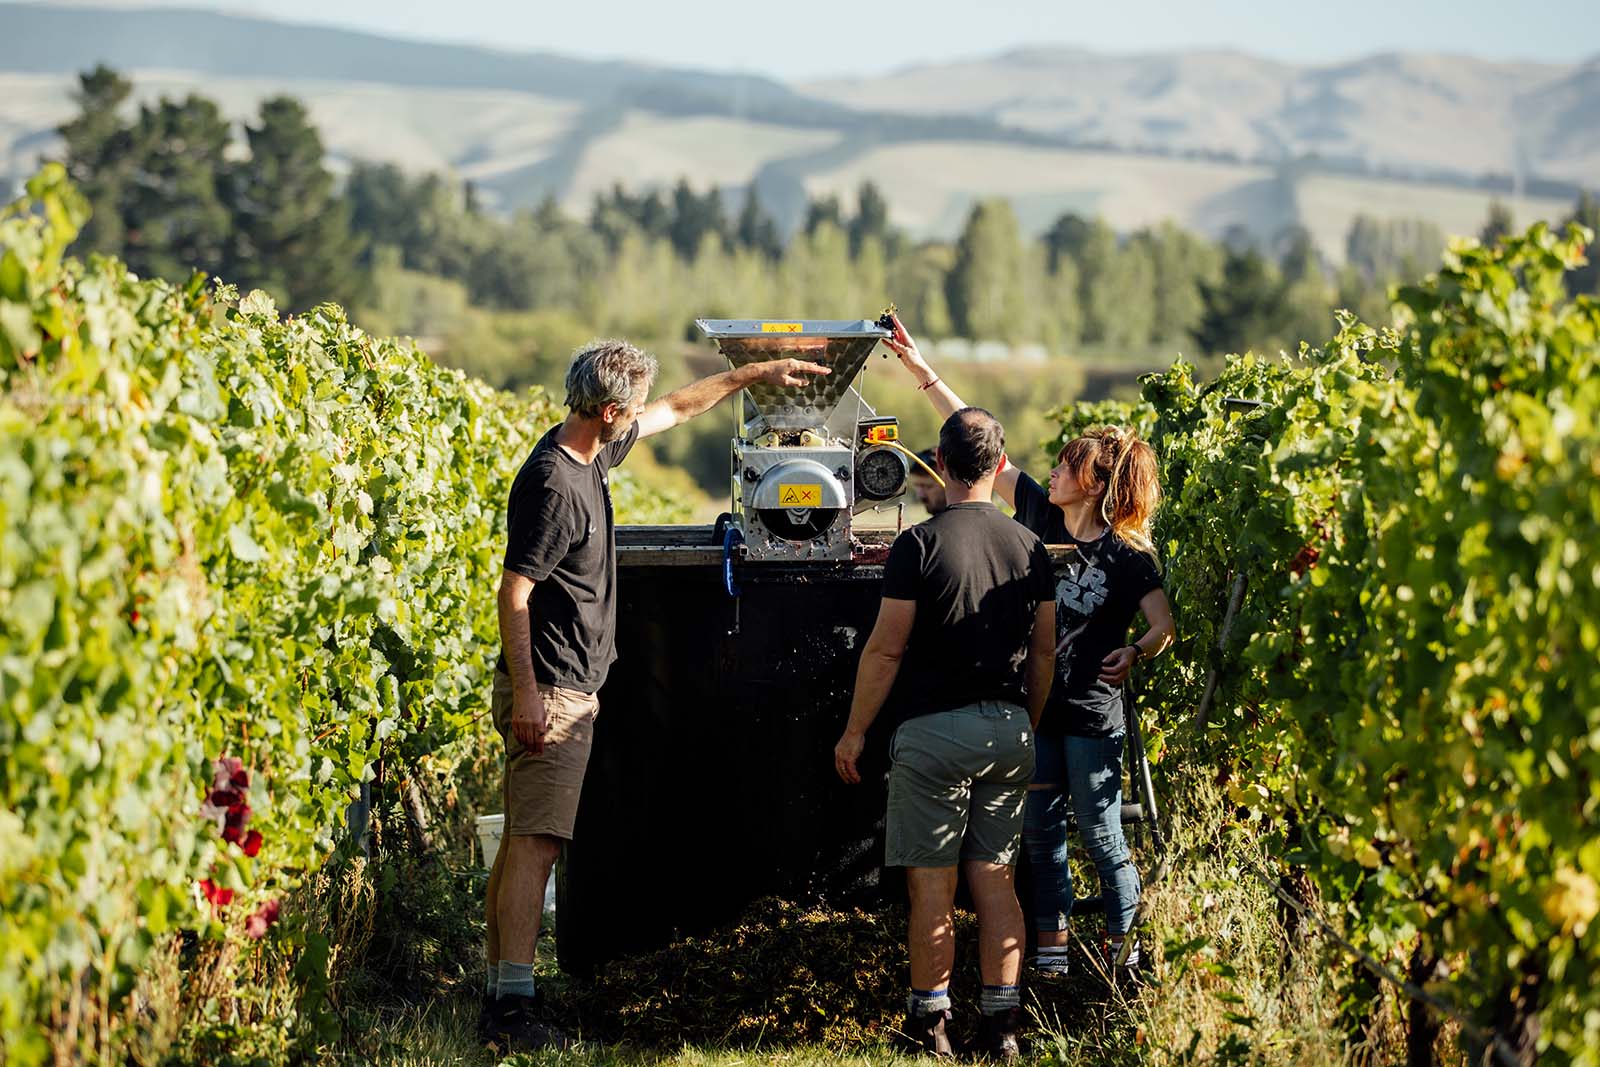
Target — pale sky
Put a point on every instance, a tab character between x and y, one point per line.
818	38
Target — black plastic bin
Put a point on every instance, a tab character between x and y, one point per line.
711	783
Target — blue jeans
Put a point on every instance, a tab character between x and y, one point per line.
1087	772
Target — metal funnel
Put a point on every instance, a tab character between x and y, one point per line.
842	345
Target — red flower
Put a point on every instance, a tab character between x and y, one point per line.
257	925
252	843
219	897
222	798
229	772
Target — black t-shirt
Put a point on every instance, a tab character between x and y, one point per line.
1097	596
978	580
562	536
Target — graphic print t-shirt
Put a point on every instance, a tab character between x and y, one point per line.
1097	595
562	535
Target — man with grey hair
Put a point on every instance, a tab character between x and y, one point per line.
557	605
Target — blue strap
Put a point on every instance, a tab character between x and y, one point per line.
730	538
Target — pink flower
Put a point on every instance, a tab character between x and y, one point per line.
257	925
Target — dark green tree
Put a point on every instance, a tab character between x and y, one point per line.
693	217
1297	253
1067	237
387	209
986	288
1117	289
291	234
823	210
1498	223
1586	212
175	217
1244	308
756	229
871	218
99	155
1183	262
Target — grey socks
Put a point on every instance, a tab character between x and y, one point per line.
514	980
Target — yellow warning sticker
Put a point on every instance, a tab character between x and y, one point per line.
799	496
782	327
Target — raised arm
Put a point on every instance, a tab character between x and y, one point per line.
942	397
681	405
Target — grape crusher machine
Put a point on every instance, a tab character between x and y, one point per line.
807	458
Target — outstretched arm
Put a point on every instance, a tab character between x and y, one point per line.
681	405
944	399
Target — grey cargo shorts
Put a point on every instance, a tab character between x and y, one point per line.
957	782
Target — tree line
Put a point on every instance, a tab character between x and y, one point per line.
172	192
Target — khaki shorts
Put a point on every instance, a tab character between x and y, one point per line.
957	782
541	792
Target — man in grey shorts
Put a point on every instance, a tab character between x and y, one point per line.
965	640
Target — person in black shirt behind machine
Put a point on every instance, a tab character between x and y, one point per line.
963	640
1100	496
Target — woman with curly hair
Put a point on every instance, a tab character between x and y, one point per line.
1100	497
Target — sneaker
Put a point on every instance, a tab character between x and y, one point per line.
997	1035
515	1026
486	1015
1130	971
1053	966
926	1034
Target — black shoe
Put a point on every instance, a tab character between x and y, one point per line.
515	1027
486	1015
926	1034
997	1035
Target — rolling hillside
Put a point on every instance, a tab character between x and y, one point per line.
1202	138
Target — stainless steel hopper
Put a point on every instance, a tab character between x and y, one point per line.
842	345
794	463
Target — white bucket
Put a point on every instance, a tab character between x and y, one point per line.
490	828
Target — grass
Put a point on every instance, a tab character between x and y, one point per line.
801	985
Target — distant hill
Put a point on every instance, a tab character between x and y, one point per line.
1419	114
1209	139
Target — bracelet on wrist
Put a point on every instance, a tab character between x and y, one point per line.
930	383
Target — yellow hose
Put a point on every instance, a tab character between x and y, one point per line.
917	460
